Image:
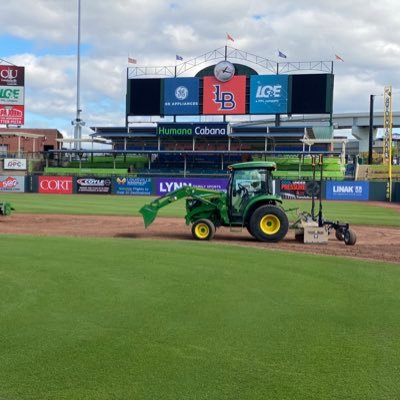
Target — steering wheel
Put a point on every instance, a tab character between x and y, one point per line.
242	190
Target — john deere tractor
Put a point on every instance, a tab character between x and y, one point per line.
249	202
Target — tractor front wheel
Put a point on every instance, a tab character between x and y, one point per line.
269	224
203	229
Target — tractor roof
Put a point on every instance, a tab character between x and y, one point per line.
254	165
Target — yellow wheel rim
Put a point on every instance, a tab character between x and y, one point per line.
202	230
270	224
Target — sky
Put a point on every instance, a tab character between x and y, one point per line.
41	35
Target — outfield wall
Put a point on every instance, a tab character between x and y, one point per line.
143	186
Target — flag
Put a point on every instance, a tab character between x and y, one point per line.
229	37
179	58
338	58
131	60
282	55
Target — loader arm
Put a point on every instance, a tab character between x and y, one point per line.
149	211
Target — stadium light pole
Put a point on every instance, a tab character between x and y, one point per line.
78	123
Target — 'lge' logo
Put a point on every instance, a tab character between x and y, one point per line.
226	100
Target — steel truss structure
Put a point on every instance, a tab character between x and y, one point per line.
225	53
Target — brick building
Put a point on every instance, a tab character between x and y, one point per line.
27	143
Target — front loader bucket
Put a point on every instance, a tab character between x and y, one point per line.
5	208
149	213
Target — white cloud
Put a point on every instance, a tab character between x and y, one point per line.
363	33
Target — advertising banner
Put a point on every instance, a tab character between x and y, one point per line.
181	96
347	190
387	138
12	95
192	129
224	97
167	185
12	184
93	185
134	186
10	75
15	163
298	189
269	94
11	115
387	124
55	184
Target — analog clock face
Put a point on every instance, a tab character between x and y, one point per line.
224	71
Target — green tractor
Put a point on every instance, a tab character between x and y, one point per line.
248	203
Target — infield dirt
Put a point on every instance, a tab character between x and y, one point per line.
373	243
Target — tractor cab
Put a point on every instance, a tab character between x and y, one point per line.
247	181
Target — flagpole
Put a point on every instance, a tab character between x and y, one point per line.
176	62
126	105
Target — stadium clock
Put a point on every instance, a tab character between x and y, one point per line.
224	71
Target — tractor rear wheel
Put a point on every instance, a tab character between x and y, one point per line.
203	229
269	224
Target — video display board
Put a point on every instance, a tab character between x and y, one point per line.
240	95
12	95
144	97
222	98
269	94
181	96
311	94
11	75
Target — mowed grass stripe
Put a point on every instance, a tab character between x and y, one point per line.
352	212
121	319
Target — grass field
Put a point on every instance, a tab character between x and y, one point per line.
352	212
160	320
